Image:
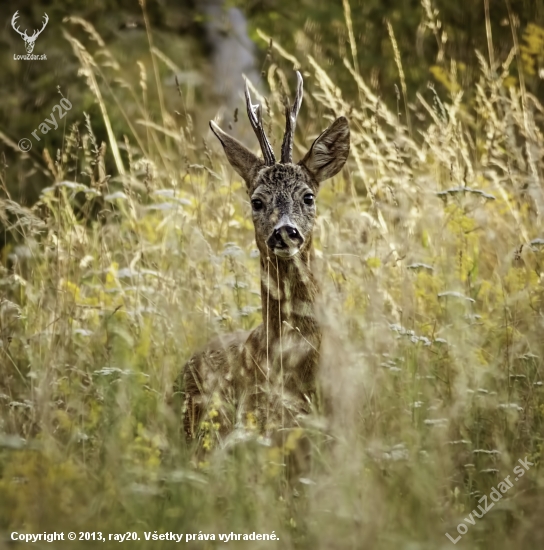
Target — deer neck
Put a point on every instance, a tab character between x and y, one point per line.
288	293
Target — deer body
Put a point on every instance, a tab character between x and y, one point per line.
267	376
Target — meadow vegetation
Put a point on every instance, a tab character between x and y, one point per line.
430	249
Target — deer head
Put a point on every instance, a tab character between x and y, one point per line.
283	194
29	40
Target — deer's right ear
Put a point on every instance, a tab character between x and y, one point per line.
329	152
240	157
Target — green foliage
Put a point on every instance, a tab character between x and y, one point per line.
532	49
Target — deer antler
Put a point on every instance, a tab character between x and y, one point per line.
254	112
290	123
16	29
35	34
25	36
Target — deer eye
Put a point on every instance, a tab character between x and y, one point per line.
257	204
308	199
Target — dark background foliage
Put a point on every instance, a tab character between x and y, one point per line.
181	28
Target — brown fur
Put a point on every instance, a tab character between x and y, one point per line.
266	377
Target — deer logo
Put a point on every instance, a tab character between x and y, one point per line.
29	40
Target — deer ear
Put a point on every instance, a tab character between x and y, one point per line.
240	157
329	151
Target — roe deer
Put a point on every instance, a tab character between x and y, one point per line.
267	376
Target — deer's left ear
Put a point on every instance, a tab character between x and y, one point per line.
329	152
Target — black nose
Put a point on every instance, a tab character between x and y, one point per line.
290	231
283	233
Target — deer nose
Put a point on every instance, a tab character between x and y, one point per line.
285	236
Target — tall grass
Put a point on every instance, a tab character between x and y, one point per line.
431	250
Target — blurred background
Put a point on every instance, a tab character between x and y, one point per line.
208	44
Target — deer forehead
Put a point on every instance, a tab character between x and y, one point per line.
282	180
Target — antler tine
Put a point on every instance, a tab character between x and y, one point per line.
254	112
290	123
46	17
14	21
36	32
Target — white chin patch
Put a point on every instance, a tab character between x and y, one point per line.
286	252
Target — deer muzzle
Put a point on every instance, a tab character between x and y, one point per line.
285	240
